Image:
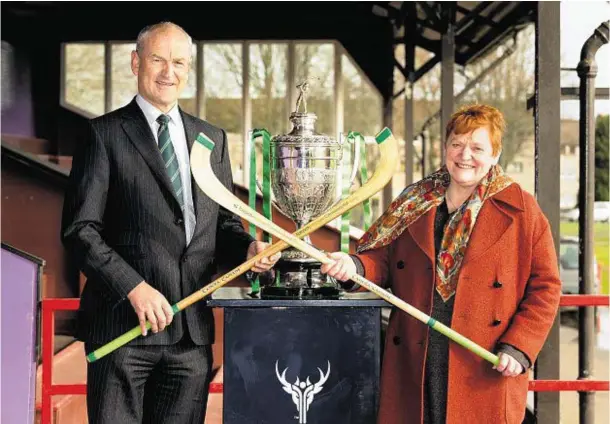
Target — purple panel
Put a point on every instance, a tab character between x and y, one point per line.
19	296
17	112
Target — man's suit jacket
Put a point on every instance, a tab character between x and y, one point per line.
122	224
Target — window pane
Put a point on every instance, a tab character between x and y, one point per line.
362	113
223	96
188	98
124	82
84	77
314	60
362	110
268	63
426	102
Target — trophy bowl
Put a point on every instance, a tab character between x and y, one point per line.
304	172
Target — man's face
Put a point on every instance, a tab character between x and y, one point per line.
162	67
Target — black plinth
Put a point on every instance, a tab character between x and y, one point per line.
327	354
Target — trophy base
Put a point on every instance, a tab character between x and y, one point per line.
300	293
301	279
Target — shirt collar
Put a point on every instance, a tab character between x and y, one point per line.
151	113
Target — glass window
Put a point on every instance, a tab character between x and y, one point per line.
362	113
84	77
188	97
362	102
223	83
426	102
316	60
124	83
268	64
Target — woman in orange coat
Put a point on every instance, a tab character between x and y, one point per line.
467	246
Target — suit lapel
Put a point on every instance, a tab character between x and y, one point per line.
200	201
422	232
139	133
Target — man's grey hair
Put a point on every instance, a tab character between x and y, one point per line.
145	32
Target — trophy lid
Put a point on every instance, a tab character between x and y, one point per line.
303	122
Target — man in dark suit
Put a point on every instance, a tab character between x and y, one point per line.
146	236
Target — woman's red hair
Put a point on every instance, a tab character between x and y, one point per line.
472	117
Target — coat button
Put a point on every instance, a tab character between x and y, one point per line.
396	340
497	284
400	264
496	322
185	258
179	221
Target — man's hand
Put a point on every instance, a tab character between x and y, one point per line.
508	366
150	304
342	268
265	263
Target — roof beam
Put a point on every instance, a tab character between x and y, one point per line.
468	31
472	15
433	14
480	47
421	71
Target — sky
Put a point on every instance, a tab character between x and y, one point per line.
579	19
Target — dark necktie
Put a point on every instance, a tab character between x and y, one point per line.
169	157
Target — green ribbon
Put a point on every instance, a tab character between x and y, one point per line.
266	186
353	137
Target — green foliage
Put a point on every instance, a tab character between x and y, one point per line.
601	158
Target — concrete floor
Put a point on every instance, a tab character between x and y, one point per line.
569	371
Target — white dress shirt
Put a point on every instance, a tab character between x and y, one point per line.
178	137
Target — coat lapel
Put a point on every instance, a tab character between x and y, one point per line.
422	231
140	134
493	221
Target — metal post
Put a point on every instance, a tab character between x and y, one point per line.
200	74
291	81
587	71
107	76
447	65
246	110
547	165
387	122
409	41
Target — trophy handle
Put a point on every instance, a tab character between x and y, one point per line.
356	161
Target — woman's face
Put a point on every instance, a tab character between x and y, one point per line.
469	157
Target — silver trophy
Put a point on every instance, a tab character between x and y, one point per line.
305	170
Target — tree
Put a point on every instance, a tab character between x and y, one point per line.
601	158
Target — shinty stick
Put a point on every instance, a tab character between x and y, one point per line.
207	181
388	161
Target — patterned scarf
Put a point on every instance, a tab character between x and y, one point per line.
417	199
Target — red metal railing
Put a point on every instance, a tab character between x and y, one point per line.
50	306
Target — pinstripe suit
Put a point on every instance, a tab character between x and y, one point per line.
122	224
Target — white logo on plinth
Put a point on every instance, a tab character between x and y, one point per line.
302	391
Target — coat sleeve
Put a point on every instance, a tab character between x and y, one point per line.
538	308
82	220
232	239
375	265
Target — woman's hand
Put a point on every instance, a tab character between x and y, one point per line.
508	366
342	268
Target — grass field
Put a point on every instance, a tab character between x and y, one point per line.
601	246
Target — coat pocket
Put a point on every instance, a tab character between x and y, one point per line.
516	398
